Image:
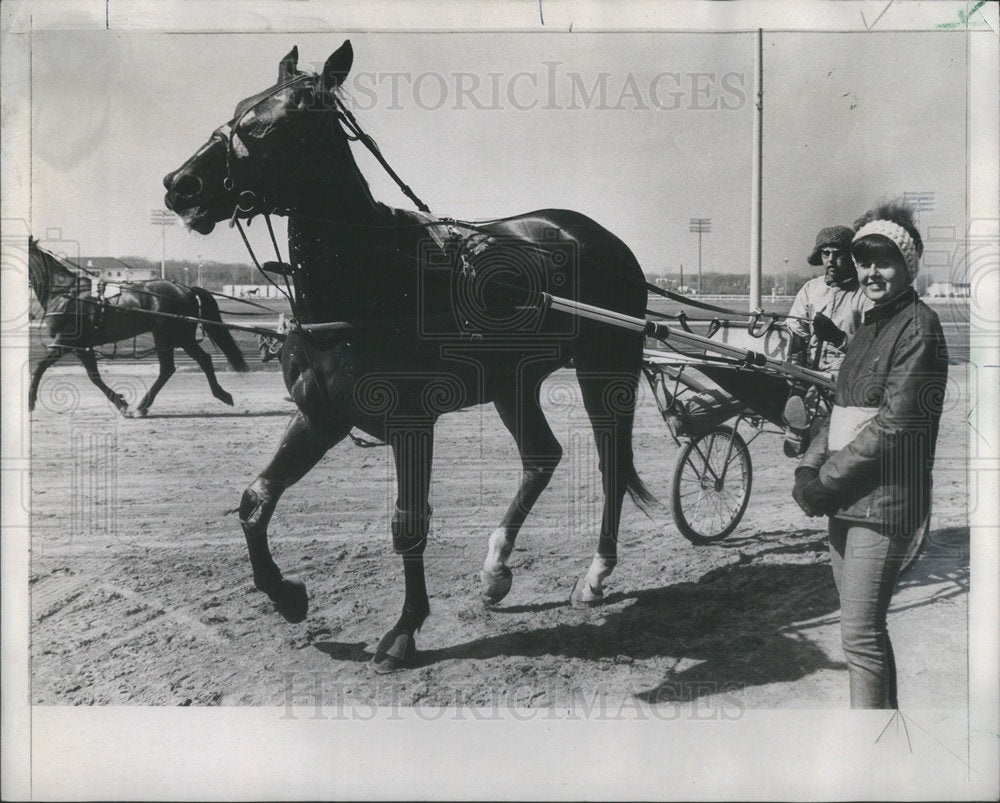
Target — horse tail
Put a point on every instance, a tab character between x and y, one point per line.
636	488
219	334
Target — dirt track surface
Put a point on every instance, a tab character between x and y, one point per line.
141	589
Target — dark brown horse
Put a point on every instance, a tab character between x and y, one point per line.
432	320
77	321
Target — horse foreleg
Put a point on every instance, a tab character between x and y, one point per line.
540	454
204	360
412	450
90	363
165	355
51	357
302	446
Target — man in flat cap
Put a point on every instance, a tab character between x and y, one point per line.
827	311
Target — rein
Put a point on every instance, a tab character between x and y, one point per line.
365	139
250	202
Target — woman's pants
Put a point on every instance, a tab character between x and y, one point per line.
866	566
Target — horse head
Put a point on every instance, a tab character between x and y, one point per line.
269	156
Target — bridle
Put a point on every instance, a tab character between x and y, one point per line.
251	202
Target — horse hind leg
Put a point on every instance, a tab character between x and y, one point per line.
204	360
165	356
90	363
302	446
540	454
609	398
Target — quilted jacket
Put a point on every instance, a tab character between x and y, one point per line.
876	450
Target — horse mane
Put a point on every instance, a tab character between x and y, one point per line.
43	266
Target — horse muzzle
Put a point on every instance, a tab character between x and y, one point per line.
196	191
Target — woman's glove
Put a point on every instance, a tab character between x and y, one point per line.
827	330
820	498
804	476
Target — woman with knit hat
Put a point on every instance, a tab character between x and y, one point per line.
869	468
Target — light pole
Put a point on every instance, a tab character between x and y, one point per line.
199	270
784	289
700	226
161	218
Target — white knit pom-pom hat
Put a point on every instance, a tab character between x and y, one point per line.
898	236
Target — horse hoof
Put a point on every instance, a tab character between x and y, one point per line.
291	600
496	584
584	596
397	650
225	398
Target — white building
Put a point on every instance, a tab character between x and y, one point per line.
111	270
948	290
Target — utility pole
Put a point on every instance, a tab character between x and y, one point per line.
700	226
161	218
756	174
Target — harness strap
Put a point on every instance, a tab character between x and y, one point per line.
372	146
659	291
365	444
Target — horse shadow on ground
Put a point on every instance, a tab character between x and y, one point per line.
943	558
943	562
734	627
738	626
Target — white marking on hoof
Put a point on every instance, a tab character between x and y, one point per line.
599	571
584	595
496	577
495	585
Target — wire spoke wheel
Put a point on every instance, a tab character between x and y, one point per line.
711	484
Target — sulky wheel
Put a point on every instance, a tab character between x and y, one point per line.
711	485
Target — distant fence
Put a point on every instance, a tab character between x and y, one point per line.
253	291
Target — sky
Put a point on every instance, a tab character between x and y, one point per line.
641	131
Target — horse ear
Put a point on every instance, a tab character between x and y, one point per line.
338	65
287	68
